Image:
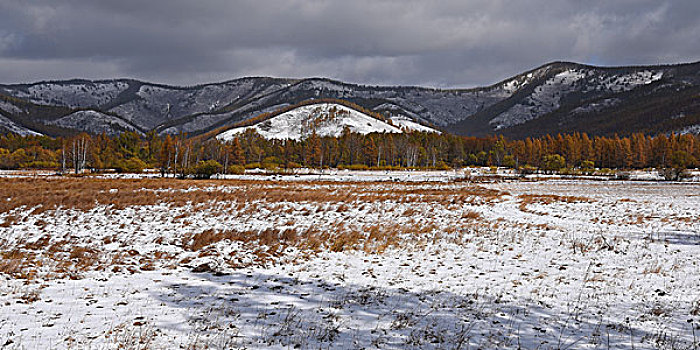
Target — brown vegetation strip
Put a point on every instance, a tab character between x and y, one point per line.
41	194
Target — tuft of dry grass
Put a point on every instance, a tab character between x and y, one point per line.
546	199
11	266
653	269
472	215
552	198
83	257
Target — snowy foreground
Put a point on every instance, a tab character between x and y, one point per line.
164	264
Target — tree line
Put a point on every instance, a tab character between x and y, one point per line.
183	156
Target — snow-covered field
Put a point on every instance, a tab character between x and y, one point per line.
226	264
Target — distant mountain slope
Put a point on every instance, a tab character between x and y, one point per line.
323	119
556	97
567	97
94	122
9	126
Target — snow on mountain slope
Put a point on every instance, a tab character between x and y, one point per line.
548	96
558	97
9	108
204	121
155	106
693	129
405	123
596	106
75	94
433	106
544	99
94	122
10	126
326	119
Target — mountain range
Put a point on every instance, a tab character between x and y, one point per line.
558	97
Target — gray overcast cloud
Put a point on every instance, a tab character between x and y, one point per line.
459	43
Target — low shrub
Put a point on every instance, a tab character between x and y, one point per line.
206	168
236	169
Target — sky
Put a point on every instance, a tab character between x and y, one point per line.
460	43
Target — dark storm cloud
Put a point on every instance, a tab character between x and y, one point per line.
443	43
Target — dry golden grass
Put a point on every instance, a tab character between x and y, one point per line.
11	264
269	243
375	238
86	193
550	198
686	219
22	199
83	257
472	215
545	199
653	269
